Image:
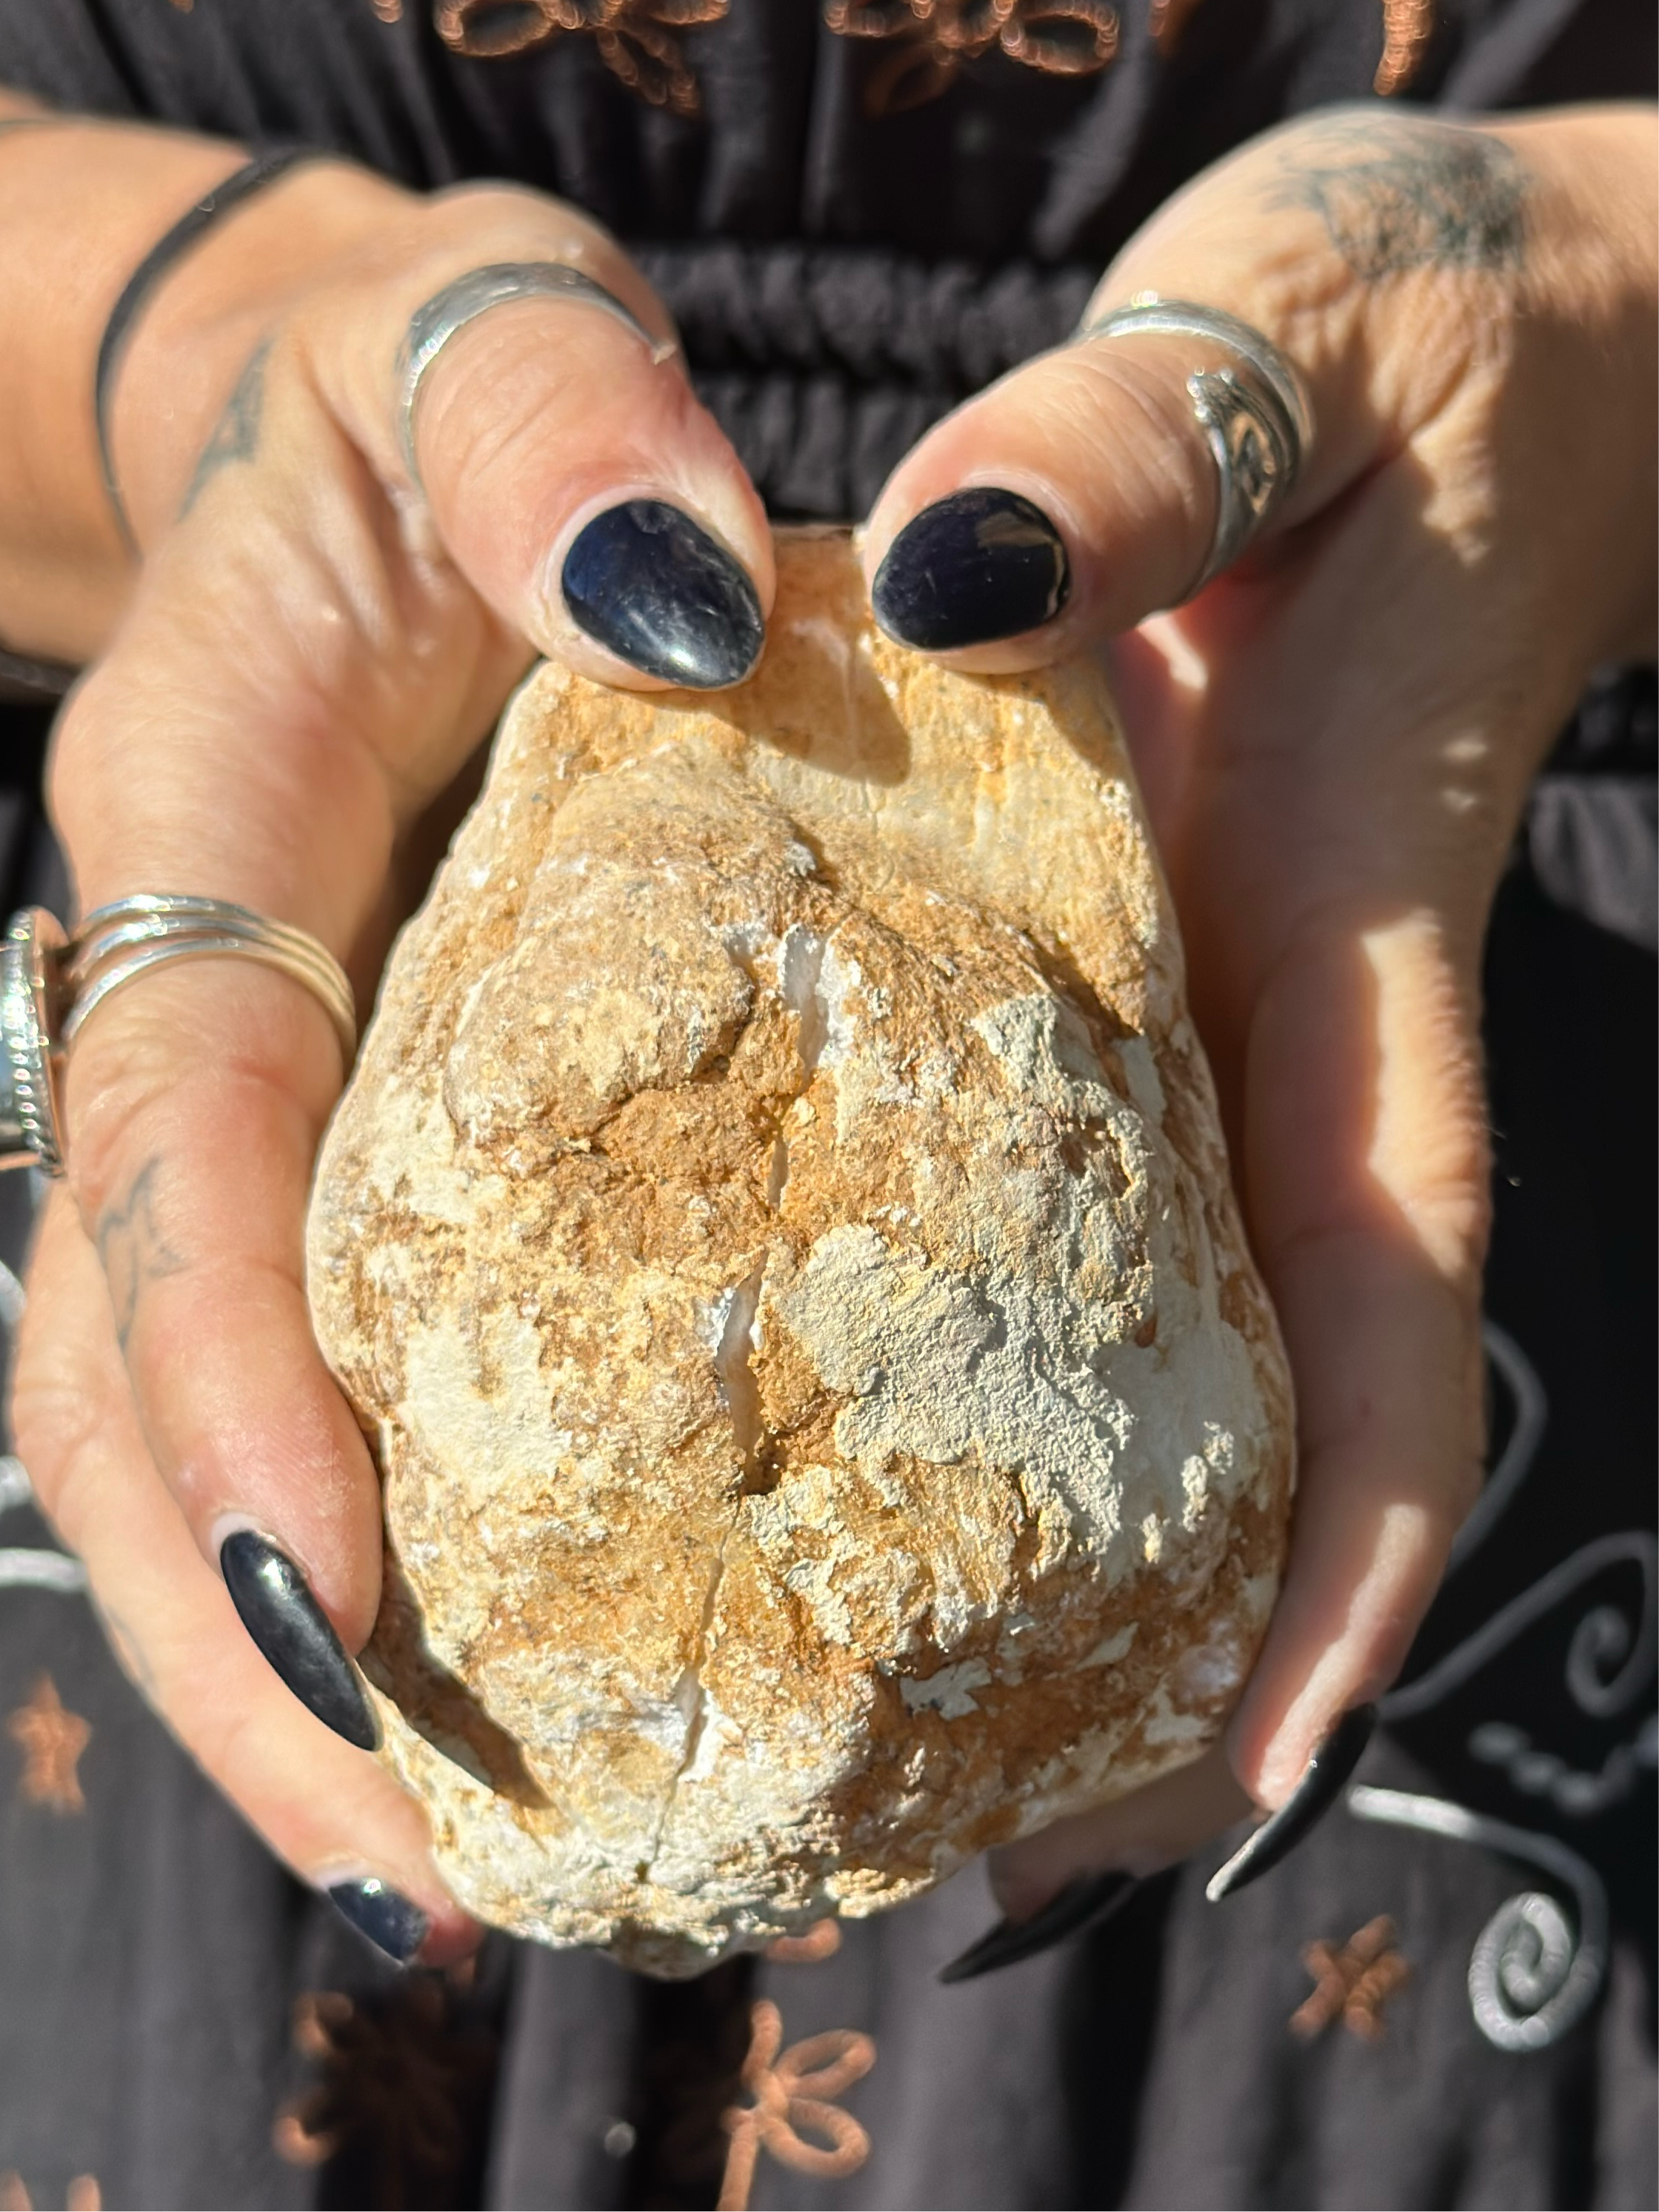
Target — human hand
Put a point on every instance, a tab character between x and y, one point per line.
315	647
1335	741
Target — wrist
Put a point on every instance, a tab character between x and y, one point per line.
193	337
85	202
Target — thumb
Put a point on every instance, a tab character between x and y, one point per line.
1080	494
564	464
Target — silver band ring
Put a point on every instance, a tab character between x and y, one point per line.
462	301
50	984
1254	412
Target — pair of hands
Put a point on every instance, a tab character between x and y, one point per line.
1334	742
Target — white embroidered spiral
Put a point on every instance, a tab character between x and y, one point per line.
1530	1978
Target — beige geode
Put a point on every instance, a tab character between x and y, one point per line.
778	1241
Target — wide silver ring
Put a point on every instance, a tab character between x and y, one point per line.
1254	412
50	984
462	301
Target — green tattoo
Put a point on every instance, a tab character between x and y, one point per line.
1412	194
236	434
133	1250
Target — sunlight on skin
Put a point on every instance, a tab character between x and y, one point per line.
1427	1152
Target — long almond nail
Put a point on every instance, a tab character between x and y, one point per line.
1308	1803
1082	1903
295	1635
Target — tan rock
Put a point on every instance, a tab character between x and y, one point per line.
778	1241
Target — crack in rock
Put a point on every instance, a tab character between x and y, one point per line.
799	973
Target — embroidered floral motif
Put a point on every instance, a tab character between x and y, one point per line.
793	2092
1352	1983
52	1739
1407	26
932	38
403	2078
635	39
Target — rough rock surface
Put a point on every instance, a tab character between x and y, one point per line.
778	1241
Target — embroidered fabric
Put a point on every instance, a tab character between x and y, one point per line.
824	365
926	42
635	39
1534	1971
930	41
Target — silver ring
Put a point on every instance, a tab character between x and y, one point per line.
462	301
1256	416
29	997
50	984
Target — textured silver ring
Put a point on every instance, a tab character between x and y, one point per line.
1254	412
51	983
474	294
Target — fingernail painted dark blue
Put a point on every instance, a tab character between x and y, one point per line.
1082	1903
295	1634
979	565
385	1915
643	580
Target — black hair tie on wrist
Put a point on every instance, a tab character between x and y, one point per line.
253	176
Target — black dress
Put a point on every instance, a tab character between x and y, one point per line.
855	231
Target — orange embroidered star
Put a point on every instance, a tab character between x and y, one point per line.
1352	1984
52	1739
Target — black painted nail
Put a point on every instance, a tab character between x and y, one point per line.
648	584
295	1634
385	1915
1082	1903
979	565
1306	1806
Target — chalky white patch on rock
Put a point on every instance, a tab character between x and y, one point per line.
778	1235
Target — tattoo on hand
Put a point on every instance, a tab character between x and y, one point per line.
1412	196
236	434
133	1250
